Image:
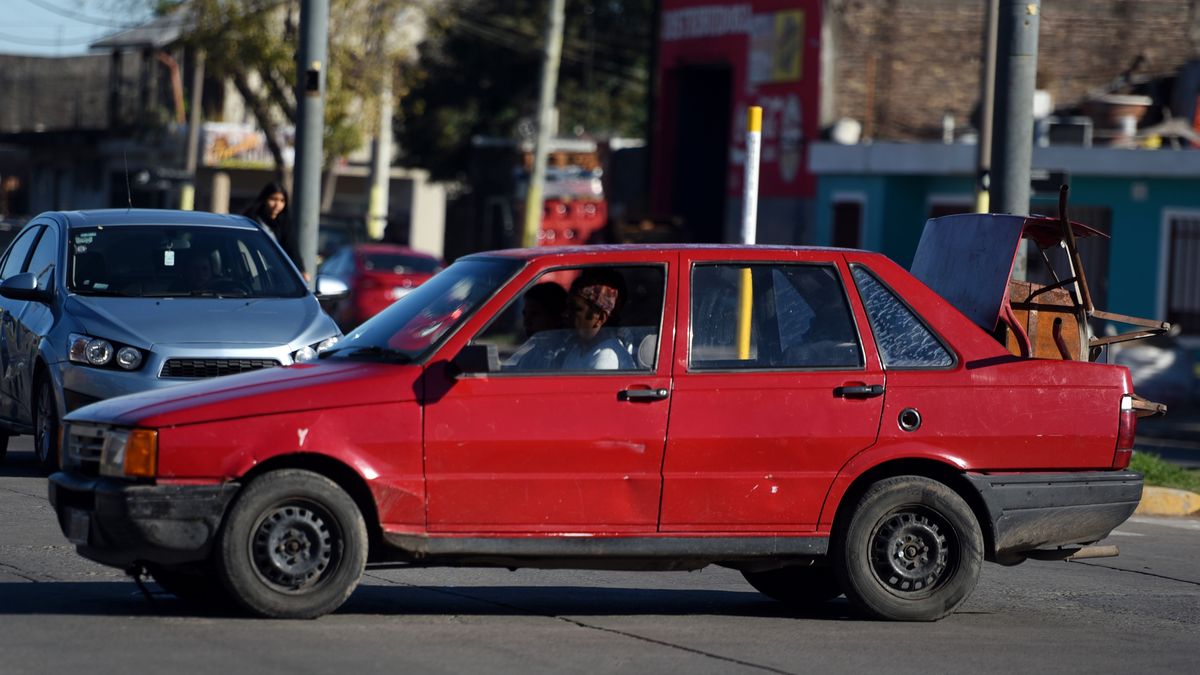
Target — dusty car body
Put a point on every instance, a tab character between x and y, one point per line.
97	304
860	436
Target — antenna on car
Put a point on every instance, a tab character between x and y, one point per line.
128	191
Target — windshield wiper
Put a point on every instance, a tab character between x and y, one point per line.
101	291
370	352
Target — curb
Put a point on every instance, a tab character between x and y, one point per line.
1160	501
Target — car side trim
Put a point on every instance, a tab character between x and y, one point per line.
565	549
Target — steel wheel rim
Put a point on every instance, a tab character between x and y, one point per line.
295	545
913	551
45	425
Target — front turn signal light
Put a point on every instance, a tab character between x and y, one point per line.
141	453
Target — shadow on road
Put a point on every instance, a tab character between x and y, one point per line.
19	464
119	598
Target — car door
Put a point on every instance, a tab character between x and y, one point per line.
34	320
11	403
760	425
550	450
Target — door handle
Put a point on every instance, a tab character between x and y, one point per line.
859	391
642	394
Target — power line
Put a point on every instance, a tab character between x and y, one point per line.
35	42
82	18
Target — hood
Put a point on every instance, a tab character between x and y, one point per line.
146	322
307	386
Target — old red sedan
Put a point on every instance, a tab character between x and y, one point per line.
375	276
816	418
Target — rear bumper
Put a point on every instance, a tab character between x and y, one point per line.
118	523
1049	510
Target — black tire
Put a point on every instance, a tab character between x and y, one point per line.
45	427
3	446
294	546
200	588
911	550
796	586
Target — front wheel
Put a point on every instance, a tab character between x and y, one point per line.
911	551
45	428
294	546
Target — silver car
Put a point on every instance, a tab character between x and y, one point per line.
96	304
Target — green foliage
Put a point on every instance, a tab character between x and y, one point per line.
480	67
1163	474
253	43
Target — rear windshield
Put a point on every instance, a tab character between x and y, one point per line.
399	263
173	261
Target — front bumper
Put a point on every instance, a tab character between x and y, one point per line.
1050	510
118	523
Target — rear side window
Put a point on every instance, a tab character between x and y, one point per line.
903	341
798	318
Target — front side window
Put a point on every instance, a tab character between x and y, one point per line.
45	255
797	317
17	252
903	340
173	261
586	319
417	323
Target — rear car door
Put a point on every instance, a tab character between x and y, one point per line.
760	429
550	448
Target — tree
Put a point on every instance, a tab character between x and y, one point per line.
479	69
253	45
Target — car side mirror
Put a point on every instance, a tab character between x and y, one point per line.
24	286
476	359
331	287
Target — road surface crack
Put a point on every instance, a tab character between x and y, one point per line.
1144	573
581	624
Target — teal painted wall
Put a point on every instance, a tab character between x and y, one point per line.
896	207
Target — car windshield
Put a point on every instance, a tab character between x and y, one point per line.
399	263
179	261
418	322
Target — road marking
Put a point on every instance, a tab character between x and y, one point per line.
1118	533
1177	523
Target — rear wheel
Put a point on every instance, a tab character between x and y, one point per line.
294	545
45	428
796	586
911	551
3	446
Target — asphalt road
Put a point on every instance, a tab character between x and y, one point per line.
1139	612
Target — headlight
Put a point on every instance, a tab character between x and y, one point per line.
99	352
129	452
129	358
310	352
304	354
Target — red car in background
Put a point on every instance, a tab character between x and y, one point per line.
375	275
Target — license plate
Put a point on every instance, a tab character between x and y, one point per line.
78	524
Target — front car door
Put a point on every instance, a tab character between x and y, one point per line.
760	425
550	447
35	319
12	403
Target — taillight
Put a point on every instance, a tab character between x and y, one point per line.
1126	431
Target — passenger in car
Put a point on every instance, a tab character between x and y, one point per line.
595	297
544	319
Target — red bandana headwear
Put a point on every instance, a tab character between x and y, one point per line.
599	296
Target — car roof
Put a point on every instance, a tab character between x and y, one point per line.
544	251
123	217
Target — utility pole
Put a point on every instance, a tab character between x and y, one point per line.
310	113
1016	72
381	163
987	99
187	196
550	59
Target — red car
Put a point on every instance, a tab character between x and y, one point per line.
375	275
818	419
